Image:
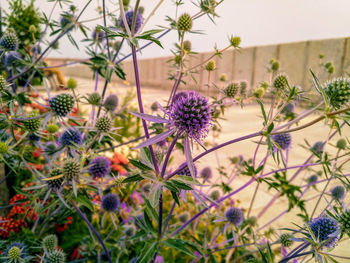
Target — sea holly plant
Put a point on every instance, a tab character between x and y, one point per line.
94	178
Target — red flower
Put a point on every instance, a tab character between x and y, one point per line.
75	254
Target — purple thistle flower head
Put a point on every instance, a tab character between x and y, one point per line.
191	114
71	136
110	202
179	95
186	171
100	167
283	140
206	173
11	57
338	192
235	216
129	17
325	228
318	147
98	35
288	108
16	252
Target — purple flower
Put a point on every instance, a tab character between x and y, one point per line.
98	35
338	192
129	17
186	171
206	173
11	57
191	114
110	202
179	95
283	140
235	216
325	229
70	137
100	167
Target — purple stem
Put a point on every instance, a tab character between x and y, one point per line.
82	215
139	98
167	157
169	216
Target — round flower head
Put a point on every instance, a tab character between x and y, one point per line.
56	256
280	82
215	195
191	114
110	202
55	183
11	57
129	17
286	240
3	147
66	20
50	242
235	216
70	137
186	171
16	252
32	125
71	169
50	149
62	104
338	92
318	147
344	221
206	173
111	102
72	83
130	231
312	179
179	95
100	167
210	65
184	217
98	35
325	228
283	140
187	46
103	124
184	23
231	90
33	137
341	144
94	99
235	41
9	41
288	108
338	192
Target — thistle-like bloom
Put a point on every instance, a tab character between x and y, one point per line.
186	171
100	167
111	102
70	137
235	216
98	35
344	220
282	140
129	17
338	192
318	147
206	173
326	230
11	57
16	252
110	202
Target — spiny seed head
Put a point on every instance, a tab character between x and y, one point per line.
72	83
341	144
258	93
71	169
111	102
9	41
338	92
231	90
2	83
184	23
3	147
235	41
338	192
130	231
183	217
100	167
206	173
210	65
50	242
103	124
280	82
56	183
191	114
325	228
110	203
235	216
11	57
33	124
215	195
94	99
223	77
186	171
56	256
283	140
312	179
71	137
318	147
62	104
16	252
344	221
187	46
52	128
129	18
286	240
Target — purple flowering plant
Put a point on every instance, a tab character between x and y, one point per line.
130	179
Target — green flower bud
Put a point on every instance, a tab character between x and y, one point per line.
210	65
235	41
184	23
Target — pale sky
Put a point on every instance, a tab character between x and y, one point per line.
257	22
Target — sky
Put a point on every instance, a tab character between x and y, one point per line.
257	22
